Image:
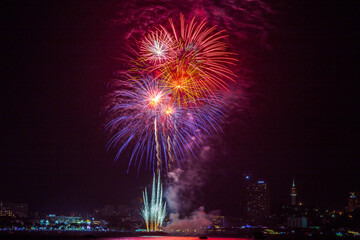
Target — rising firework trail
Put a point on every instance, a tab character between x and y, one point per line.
154	210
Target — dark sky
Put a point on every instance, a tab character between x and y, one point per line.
56	57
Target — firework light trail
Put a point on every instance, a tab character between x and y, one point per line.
154	210
157	128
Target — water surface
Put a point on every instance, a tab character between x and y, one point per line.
169	238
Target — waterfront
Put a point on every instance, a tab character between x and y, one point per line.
170	238
77	237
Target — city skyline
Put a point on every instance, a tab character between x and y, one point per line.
255	206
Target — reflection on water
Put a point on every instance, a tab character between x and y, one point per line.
170	238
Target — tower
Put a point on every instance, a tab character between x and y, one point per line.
293	193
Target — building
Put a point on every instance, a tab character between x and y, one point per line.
293	193
13	209
52	219
7	213
297	222
354	201
68	223
257	201
218	221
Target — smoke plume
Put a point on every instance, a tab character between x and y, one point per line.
197	222
183	193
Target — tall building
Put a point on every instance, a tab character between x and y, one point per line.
257	202
293	193
354	201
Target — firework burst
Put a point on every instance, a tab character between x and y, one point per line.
156	128
197	62
169	100
157	47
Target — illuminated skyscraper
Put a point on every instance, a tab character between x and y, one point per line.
354	201
257	204
293	193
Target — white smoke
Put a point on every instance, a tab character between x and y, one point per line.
181	196
197	222
184	184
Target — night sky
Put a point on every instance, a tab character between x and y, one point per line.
57	57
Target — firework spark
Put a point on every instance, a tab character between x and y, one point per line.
197	60
169	100
157	47
154	211
156	128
